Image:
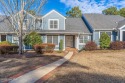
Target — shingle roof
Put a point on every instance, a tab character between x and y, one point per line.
76	25
121	23
103	22
73	25
5	25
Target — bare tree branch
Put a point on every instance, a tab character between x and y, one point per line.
16	10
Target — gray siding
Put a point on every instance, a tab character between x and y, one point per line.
53	15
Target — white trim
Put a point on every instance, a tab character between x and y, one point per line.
52	12
84	39
42	23
103	29
53	20
67	33
106	31
58	40
46	38
122	27
121	32
121	35
64	42
76	42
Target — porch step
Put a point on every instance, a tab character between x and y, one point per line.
72	49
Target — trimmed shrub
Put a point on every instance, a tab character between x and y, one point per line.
39	48
61	45
90	46
49	48
8	49
5	43
104	41
117	45
123	44
46	47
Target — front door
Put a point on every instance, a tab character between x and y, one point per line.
123	35
69	41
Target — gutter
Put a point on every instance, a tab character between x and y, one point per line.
66	33
104	29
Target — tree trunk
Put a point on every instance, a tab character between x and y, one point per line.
20	41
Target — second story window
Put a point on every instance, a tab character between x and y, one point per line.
53	24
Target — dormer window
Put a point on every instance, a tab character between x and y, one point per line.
53	24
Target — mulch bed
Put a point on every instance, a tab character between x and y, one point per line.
29	61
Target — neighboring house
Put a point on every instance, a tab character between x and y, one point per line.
75	32
113	25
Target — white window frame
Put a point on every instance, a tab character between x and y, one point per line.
83	39
57	23
105	32
52	39
121	32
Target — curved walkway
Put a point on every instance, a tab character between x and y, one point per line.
35	75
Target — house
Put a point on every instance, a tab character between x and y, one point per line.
113	25
75	32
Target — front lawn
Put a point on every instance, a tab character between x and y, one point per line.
14	64
101	66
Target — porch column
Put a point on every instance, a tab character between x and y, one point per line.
121	35
77	42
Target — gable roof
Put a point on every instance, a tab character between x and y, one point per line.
103	22
52	12
73	26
